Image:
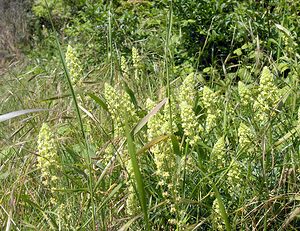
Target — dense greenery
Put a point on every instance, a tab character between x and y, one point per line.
160	115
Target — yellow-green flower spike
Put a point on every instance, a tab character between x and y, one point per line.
268	97
210	101
164	156
187	96
209	97
244	93
245	135
47	161
120	107
219	153
74	65
135	57
234	179
124	67
136	62
132	203
217	220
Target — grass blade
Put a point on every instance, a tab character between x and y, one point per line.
145	120
99	101
222	207
14	114
137	174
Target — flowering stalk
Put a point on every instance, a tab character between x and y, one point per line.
47	160
74	65
268	97
210	101
218	154
136	61
187	96
120	107
164	157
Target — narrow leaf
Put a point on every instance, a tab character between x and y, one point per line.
99	101
222	208
14	114
143	121
152	143
137	174
131	94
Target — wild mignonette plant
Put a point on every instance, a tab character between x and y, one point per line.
190	124
120	106
74	66
210	102
47	160
159	153
268	97
218	154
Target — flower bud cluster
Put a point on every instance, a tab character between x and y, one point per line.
120	108
218	222
189	120
245	94
218	154
74	65
210	101
268	97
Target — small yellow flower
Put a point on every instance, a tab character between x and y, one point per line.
244	93
268	97
219	153
120	107
189	120
210	101
74	65
245	135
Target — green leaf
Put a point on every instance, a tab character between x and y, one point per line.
238	52
131	94
223	212
137	174
145	120
14	114
99	101
153	142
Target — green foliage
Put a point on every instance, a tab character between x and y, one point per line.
57	7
